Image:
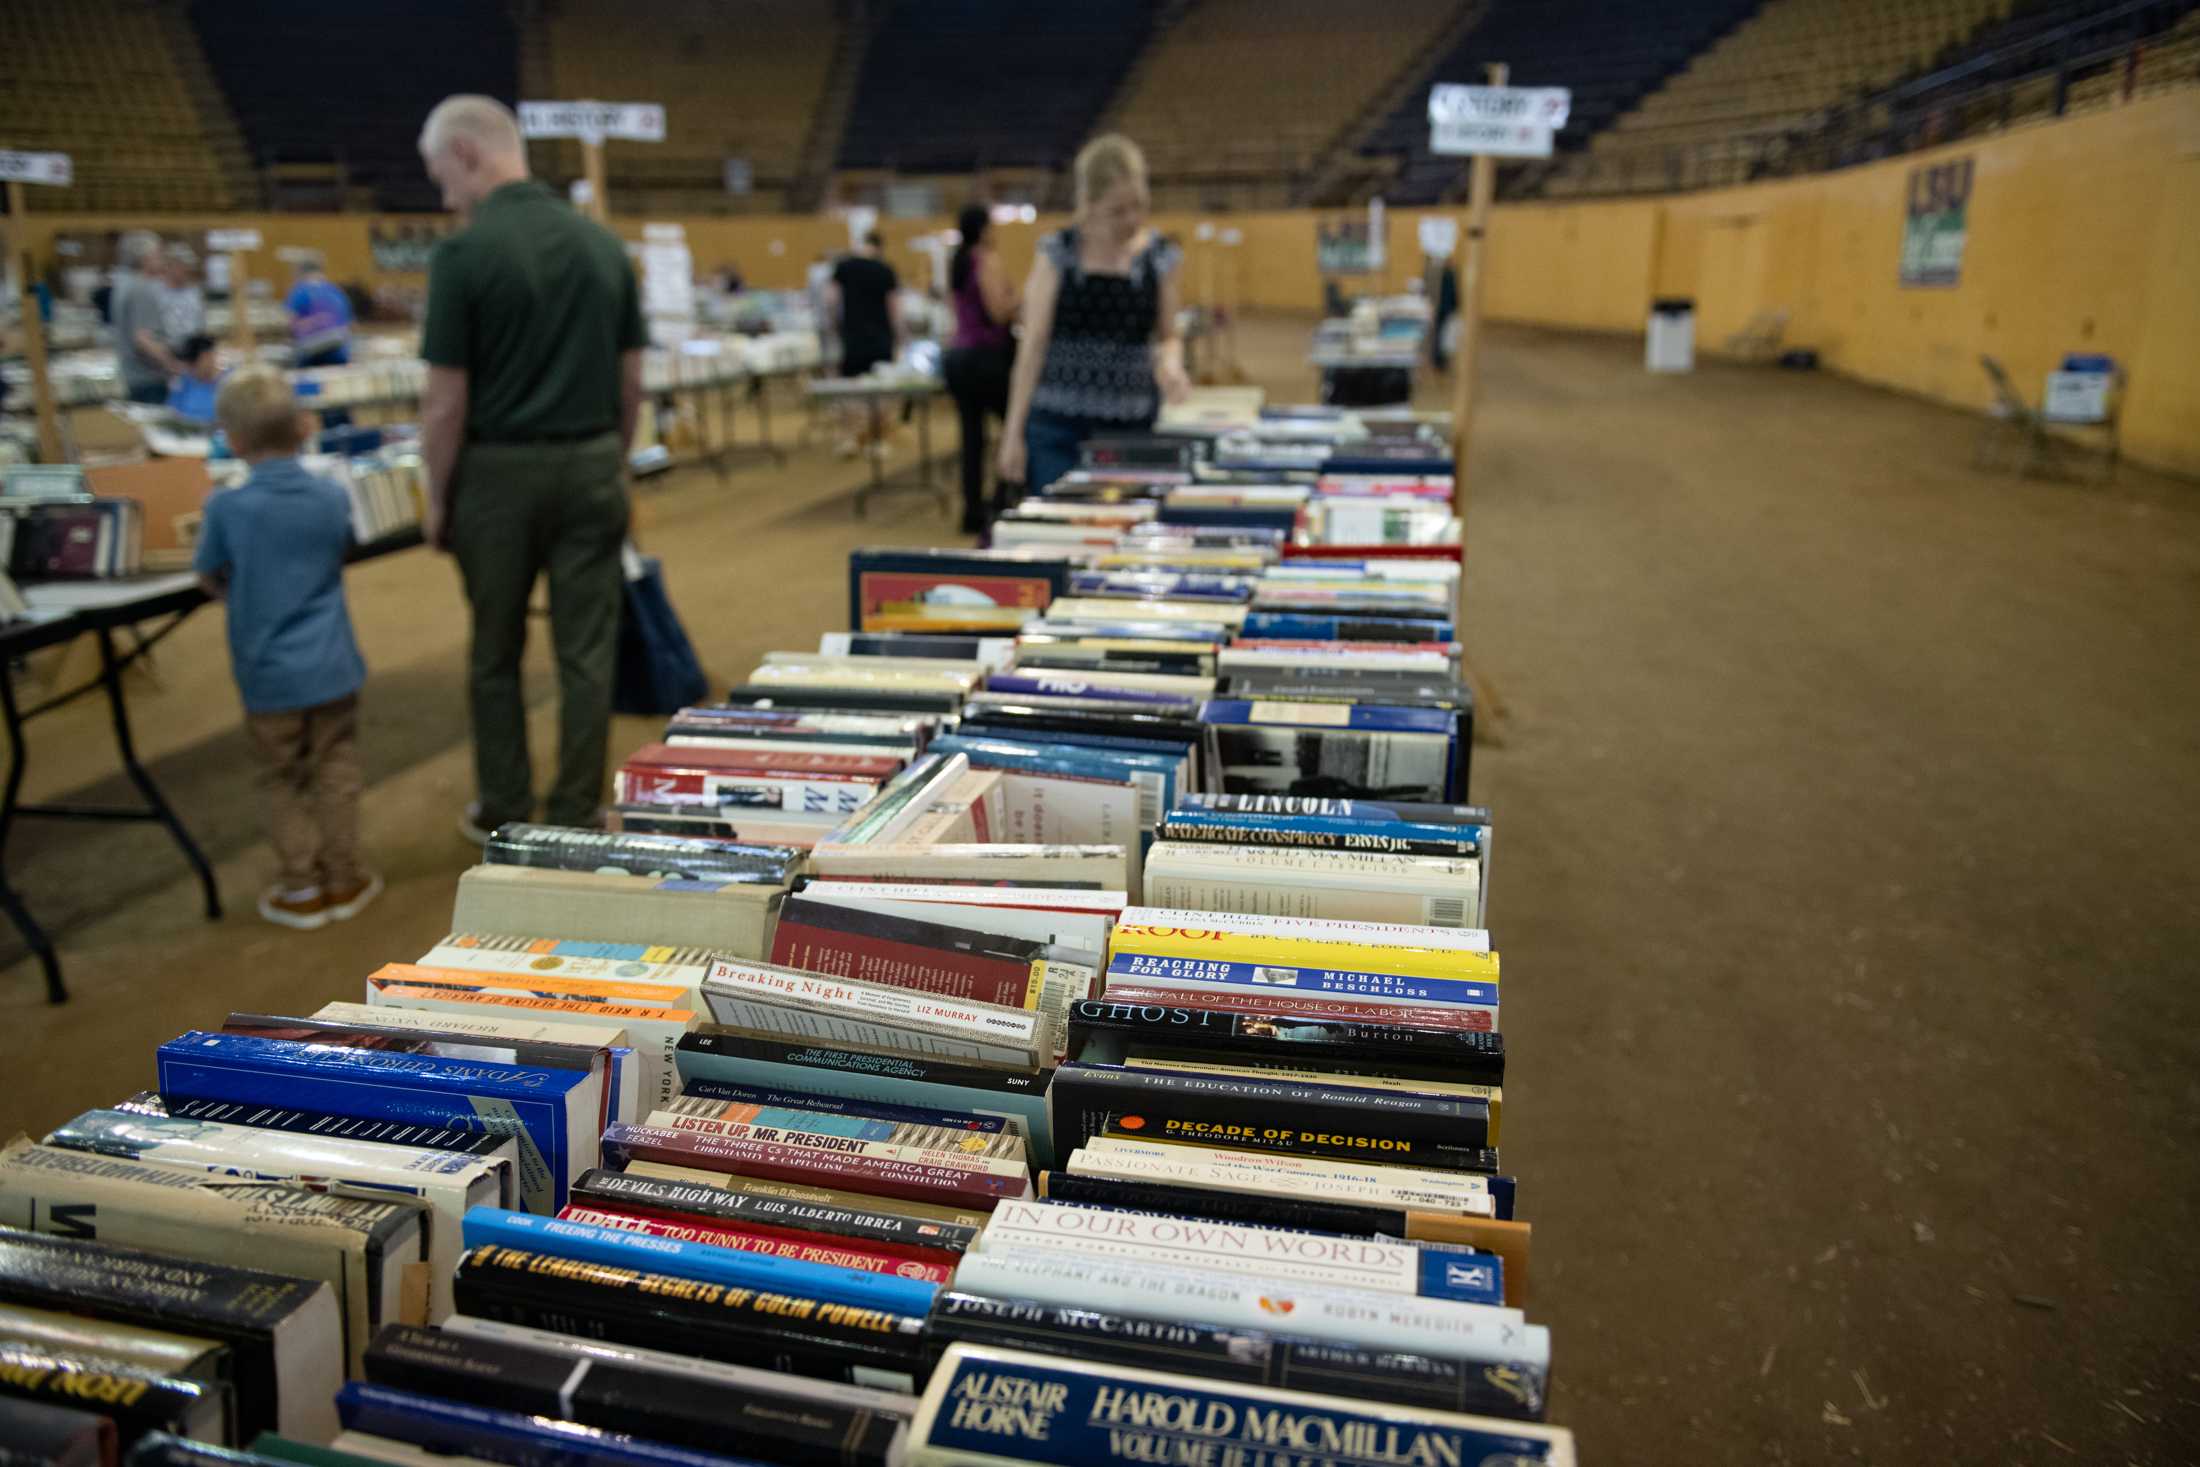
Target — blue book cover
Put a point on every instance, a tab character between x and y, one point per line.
1135	969
1152	775
1168	585
988	1405
1035	683
547	1111
705	1262
1404	812
462	1431
1293	626
815	1101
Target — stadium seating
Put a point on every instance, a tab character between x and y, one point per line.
1774	74
118	86
740	80
356	96
965	85
1240	98
1610	55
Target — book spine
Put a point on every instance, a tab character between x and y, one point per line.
1307	1215
1263	1115
960	973
1313	833
1470	1055
1252	1357
1283	1004
1247	1301
876	1229
1402	811
1212	973
771	1331
137	1401
680	1410
830	1143
347	1128
1290	1176
954	1140
954	1185
818	1101
561	849
458	1428
770	1244
1317	1260
1401	947
773	997
619	1248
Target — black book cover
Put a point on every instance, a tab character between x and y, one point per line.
239	1307
688	1317
1474	1057
715	1039
681	1410
137	1401
690	1199
1287	1116
34	1434
1409	811
559	848
1028	720
1251	1357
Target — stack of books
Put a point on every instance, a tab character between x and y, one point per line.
1068	1094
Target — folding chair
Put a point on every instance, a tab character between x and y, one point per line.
2011	423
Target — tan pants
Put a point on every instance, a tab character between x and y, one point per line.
310	770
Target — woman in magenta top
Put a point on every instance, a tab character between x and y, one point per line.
979	359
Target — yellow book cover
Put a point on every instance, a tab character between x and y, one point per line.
531	1004
1297	952
607	989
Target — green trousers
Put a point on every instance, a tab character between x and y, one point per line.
523	510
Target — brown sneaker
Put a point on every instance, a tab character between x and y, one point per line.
301	908
346	902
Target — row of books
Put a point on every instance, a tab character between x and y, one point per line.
957	1147
75	537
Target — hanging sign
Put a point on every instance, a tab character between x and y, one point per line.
1503	122
232	241
592	122
53	168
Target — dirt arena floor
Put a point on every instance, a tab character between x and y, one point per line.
1847	888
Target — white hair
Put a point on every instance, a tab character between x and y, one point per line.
137	247
486	121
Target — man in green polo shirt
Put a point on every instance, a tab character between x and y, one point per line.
534	342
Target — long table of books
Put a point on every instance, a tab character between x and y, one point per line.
1042	1024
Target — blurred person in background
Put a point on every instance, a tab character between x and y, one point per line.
144	359
982	352
1101	350
183	299
862	295
191	394
320	318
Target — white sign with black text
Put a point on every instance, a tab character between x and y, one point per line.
1502	122
232	241
634	122
53	168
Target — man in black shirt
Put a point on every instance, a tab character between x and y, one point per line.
863	301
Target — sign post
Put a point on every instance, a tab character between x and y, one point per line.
19	169
237	243
592	123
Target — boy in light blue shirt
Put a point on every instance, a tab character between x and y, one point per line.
274	549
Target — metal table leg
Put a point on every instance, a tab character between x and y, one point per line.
33	934
158	808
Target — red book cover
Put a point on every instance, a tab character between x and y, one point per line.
845	942
801	1247
741	759
841	1170
1371	552
1291	1005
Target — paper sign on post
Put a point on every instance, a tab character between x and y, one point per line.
232	241
1460	137
1504	122
53	168
1439	235
634	122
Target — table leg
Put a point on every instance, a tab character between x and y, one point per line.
763	396
33	934
110	674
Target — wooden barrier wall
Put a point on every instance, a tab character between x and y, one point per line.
2081	237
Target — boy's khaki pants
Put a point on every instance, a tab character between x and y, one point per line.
310	770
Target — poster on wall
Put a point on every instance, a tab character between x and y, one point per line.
1935	223
1350	244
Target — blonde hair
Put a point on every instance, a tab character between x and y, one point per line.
259	413
1106	161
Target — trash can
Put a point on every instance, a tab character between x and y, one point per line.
1670	342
